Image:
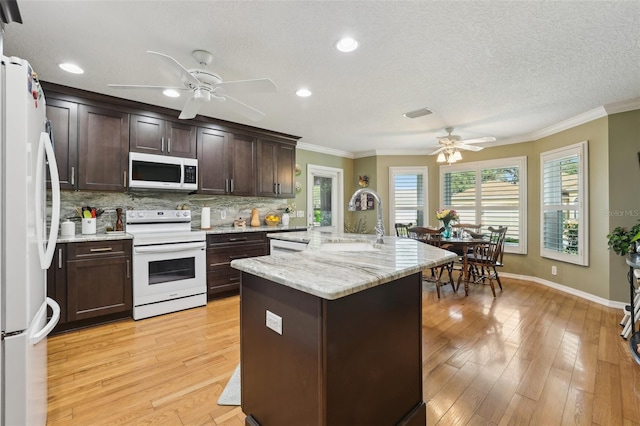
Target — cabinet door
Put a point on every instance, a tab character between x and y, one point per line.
64	123
103	149
286	165
147	135
267	168
181	140
97	287
242	165
212	161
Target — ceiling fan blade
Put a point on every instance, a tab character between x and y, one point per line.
144	86
480	140
190	109
177	69
243	109
260	85
469	147
438	151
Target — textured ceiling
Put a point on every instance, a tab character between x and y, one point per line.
487	68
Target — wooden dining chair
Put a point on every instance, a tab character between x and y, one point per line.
486	258
402	230
433	237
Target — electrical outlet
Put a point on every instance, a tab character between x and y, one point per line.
274	322
300	213
554	270
223	214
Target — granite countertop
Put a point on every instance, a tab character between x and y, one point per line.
335	274
228	229
101	236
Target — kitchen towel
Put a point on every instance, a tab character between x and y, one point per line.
205	218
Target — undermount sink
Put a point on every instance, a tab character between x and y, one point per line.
347	246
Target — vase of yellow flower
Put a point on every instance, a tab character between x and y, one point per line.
446	216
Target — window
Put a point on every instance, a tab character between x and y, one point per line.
564	191
407	195
490	193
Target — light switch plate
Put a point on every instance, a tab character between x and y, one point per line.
274	322
300	213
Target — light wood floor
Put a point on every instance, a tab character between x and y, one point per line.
531	356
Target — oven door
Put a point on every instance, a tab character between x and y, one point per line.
168	271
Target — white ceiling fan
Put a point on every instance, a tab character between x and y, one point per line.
451	145
206	85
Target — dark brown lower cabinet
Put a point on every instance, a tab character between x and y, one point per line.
221	250
91	282
352	361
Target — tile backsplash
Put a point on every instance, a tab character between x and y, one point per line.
231	207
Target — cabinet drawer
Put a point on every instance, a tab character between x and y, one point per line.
77	251
236	238
222	256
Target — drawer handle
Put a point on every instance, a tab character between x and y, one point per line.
59	258
128	269
233	240
94	250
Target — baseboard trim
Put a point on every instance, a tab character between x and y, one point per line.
582	294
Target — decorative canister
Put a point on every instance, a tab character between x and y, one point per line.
89	225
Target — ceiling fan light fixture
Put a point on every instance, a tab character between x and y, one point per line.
441	158
303	93
72	68
456	156
171	93
347	44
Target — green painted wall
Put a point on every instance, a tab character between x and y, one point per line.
361	167
623	208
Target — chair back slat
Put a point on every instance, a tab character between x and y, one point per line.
496	242
427	235
402	229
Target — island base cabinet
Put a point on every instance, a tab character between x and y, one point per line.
356	360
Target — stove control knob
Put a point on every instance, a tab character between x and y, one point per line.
140	214
185	214
177	214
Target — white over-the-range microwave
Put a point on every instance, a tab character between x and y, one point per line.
152	171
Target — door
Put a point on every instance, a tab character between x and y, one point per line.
325	198
212	161
64	123
181	140
242	165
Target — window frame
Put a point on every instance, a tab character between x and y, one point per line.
580	150
393	172
477	167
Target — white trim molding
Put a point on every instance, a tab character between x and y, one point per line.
563	288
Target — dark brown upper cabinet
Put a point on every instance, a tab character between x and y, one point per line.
226	162
161	137
63	116
103	149
276	169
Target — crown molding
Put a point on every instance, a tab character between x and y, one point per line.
569	123
325	150
624	106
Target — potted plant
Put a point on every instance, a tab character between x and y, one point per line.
621	239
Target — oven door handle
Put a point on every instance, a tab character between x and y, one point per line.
171	248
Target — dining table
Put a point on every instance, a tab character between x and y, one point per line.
462	245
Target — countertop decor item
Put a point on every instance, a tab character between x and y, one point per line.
272	218
119	226
255	217
240	223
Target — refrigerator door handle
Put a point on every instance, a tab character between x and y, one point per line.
45	147
53	321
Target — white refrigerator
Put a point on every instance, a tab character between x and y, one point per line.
27	243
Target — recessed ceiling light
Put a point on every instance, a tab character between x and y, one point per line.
74	69
171	93
303	93
347	44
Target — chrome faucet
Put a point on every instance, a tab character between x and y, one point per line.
380	224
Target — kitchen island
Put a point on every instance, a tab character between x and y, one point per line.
332	335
